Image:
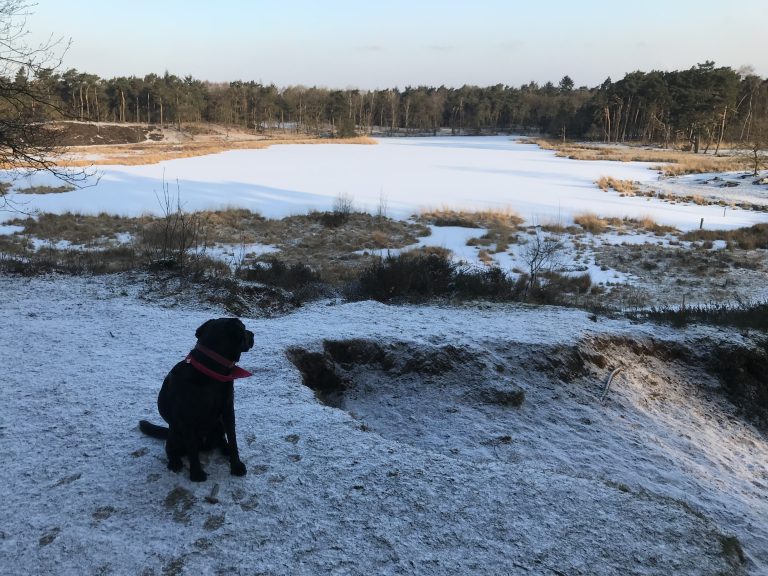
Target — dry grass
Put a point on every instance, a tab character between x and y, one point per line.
78	228
154	152
623	187
336	252
592	223
650	225
689	163
472	219
45	189
485	257
501	225
675	162
597	225
752	238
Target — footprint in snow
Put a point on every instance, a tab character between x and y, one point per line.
49	537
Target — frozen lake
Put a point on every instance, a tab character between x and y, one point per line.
408	174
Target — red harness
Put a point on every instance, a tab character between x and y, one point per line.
234	371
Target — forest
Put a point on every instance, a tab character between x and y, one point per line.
698	108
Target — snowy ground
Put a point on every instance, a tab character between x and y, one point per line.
405	174
733	188
420	470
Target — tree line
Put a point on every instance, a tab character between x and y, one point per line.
701	106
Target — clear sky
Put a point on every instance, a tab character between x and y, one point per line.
386	43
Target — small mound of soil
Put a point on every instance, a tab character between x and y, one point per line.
84	134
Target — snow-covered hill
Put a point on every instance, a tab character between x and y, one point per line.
423	460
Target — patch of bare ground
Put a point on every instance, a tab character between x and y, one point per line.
675	162
88	144
45	189
678	275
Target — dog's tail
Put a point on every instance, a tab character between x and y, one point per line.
153	430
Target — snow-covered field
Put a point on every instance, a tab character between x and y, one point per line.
406	174
419	472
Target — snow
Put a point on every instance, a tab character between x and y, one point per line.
409	174
453	238
233	254
10	229
728	187
414	475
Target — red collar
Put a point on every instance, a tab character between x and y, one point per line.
216	357
234	371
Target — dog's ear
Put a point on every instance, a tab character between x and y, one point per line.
200	331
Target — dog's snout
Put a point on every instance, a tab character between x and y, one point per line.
247	341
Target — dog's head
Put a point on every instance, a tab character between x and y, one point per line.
226	336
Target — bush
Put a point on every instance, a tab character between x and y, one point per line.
275	272
414	275
419	275
490	283
553	287
740	315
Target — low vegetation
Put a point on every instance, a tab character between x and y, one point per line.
750	238
344	252
595	224
501	225
739	315
422	275
623	187
45	189
591	223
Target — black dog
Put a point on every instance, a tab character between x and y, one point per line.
197	398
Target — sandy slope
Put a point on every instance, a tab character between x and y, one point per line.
419	473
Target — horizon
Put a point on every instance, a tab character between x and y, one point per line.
448	43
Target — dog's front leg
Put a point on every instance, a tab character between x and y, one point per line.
236	466
174	450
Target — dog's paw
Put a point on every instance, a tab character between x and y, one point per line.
175	465
238	469
197	476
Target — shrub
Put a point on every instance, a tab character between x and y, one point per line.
420	275
554	288
740	315
491	283
416	275
275	272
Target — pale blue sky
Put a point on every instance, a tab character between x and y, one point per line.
343	43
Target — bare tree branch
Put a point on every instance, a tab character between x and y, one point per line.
28	142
